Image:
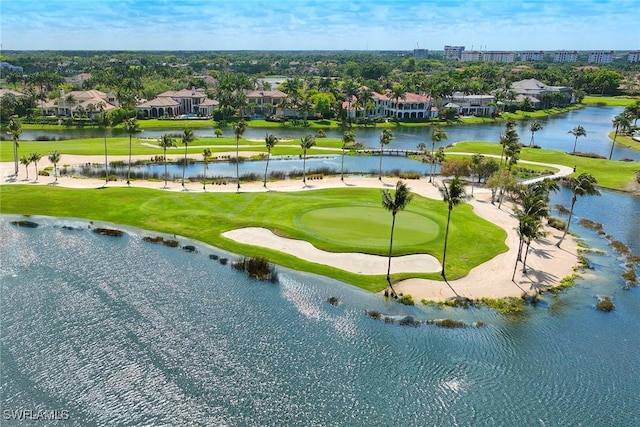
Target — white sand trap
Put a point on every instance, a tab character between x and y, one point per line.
353	262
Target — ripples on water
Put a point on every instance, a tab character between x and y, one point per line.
119	331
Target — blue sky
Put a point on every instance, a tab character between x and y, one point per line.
318	25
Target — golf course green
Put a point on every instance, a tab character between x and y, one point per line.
334	220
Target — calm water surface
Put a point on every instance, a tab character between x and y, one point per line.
123	332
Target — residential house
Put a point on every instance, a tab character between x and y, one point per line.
410	106
264	103
472	105
80	102
540	94
175	103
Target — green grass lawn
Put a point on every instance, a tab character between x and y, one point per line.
316	216
119	146
610	101
613	174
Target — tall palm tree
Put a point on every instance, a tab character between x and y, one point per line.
397	92
35	158
534	127
385	138
509	138
577	131
26	161
348	138
395	203
583	185
187	138
453	195
206	155
437	135
131	127
306	142
105	122
165	142
15	130
270	141
54	157
238	130
620	121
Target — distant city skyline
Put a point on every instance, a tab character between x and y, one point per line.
319	25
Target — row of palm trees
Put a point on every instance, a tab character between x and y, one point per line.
453	194
26	160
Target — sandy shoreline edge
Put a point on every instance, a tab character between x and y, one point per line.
547	264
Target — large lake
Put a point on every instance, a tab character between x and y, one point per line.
117	331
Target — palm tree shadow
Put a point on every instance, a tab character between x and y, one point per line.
347	184
540	281
451	287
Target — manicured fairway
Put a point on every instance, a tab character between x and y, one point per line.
205	216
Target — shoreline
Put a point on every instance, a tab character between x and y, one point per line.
546	263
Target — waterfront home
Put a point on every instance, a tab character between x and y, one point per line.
541	95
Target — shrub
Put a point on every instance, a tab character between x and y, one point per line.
556	223
409	321
620	247
605	304
406	300
511	305
108	232
587	223
23	223
333	301
373	314
447	323
258	268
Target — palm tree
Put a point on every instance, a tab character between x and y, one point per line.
306	142
15	130
206	155
54	157
437	135
397	92
583	185
395	203
187	138
238	130
534	127
476	164
26	161
385	138
131	127
105	122
509	137
348	137
453	195
165	142
577	131
35	158
620	121
270	141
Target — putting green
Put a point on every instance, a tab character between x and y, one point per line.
367	226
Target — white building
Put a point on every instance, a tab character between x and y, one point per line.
472	105
532	55
565	56
488	56
601	56
634	56
410	106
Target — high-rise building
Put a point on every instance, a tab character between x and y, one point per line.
531	55
420	53
488	56
453	52
601	56
634	56
565	56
